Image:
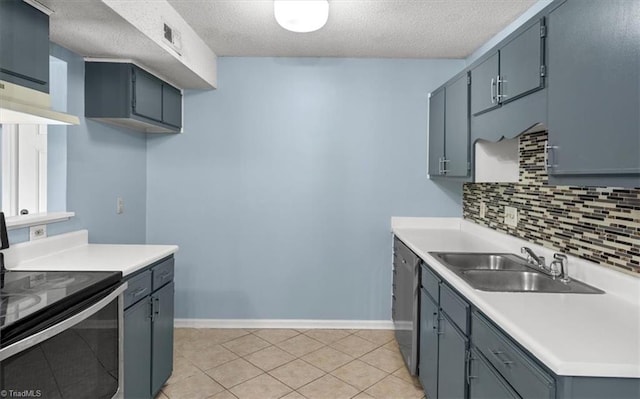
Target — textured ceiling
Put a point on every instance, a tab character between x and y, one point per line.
356	28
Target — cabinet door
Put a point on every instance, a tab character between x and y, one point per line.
162	337
484	86
24	45
456	143
137	351
484	383
452	362
171	105
520	62
436	131
428	370
147	95
594	88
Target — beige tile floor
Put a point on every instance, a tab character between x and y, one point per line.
289	364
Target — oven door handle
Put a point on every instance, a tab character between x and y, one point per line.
47	333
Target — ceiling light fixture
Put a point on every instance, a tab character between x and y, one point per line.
301	15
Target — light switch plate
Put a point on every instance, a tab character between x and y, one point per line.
511	216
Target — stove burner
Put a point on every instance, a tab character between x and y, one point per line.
16	303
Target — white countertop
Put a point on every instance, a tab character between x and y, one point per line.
72	251
572	334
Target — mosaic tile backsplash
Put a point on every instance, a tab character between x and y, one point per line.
600	224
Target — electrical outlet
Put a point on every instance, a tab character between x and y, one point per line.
483	210
37	232
511	216
119	205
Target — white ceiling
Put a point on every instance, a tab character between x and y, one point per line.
356	28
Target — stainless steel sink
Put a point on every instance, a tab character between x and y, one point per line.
470	260
507	273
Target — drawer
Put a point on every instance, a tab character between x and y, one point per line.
527	378
430	283
139	287
162	273
455	307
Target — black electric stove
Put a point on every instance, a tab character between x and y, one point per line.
33	301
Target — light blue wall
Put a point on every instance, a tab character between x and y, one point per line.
281	189
102	164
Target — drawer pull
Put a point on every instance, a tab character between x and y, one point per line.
501	357
164	275
139	292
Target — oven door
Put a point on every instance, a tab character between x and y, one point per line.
80	357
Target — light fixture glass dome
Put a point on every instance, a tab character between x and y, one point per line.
301	15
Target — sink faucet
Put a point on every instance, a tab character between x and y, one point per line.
532	258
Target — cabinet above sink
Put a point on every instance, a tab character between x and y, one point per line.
573	68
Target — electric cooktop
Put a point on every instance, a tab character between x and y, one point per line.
34	299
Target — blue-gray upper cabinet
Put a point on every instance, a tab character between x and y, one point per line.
24	45
515	70
449	129
124	95
436	132
594	93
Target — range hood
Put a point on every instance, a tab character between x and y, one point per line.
23	105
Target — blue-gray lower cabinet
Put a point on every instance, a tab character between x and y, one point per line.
443	346
137	330
162	336
484	383
428	363
452	348
148	330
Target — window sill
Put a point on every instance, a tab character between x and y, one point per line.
17	222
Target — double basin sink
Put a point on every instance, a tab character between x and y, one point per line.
507	273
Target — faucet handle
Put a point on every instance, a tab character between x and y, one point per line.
563	260
560	256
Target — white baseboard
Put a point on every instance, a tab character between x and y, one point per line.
285	323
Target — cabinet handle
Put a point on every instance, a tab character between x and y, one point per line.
138	292
435	321
438	332
501	357
493	86
547	149
440	165
156	307
499	86
444	165
469	360
151	314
